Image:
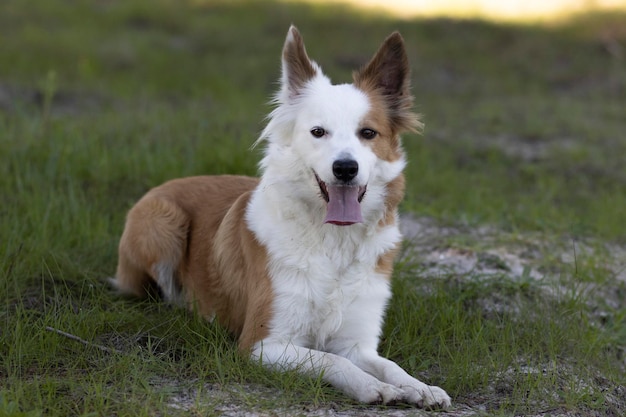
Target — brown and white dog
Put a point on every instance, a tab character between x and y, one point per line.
297	263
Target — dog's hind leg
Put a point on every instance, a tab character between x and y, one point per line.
151	248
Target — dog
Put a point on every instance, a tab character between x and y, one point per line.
296	264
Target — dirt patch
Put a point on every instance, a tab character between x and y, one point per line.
489	251
595	269
229	402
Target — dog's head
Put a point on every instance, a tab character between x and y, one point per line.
342	141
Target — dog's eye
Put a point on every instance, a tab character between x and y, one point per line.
318	132
368	133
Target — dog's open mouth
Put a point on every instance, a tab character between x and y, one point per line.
343	206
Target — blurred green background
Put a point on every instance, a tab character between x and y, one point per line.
524	123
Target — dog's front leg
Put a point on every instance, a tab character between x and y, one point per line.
334	369
415	391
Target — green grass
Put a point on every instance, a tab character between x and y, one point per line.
499	342
102	100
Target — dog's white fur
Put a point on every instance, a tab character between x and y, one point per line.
299	293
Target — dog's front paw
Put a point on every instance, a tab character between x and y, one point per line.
377	392
426	396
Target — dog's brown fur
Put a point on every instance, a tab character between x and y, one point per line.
197	225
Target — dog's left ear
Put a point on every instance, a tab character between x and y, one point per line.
297	68
388	75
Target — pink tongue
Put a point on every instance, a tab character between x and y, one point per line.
343	205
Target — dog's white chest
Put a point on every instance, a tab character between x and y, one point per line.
324	286
324	277
322	311
315	303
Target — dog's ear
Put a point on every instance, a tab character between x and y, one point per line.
297	68
388	75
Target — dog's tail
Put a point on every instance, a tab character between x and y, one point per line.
151	249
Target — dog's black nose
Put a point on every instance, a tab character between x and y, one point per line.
345	169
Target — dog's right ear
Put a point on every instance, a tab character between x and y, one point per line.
297	68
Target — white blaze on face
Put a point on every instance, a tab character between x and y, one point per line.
340	159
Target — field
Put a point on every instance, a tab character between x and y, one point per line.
511	289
